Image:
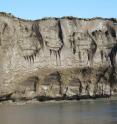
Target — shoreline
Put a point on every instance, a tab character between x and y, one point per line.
37	102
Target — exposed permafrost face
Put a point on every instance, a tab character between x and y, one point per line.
67	56
53	39
82	41
30	42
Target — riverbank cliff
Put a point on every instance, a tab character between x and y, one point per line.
57	58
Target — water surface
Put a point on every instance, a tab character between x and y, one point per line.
81	112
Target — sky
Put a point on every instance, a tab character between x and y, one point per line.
37	9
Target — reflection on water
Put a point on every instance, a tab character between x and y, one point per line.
82	112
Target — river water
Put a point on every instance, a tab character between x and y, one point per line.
81	112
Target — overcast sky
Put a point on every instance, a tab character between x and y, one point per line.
36	9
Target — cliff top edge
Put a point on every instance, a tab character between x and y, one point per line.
56	18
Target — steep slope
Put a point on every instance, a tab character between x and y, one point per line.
57	57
